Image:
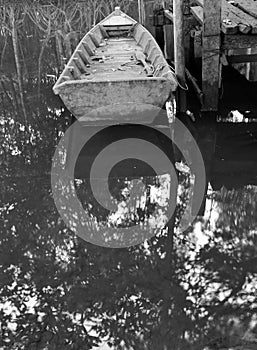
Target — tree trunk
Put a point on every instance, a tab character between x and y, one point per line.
68	47
3	52
17	62
58	38
15	101
41	56
9	99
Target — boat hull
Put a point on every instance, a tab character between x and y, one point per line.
116	74
116	101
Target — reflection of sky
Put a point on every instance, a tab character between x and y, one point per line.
137	198
203	234
102	347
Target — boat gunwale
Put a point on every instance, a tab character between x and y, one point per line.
109	80
114	13
83	38
58	84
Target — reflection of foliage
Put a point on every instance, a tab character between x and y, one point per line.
220	273
61	289
140	208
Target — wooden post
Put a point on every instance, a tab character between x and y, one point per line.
168	41
159	24
206	136
211	54
141	12
188	25
179	52
149	14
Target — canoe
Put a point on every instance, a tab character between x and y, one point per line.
116	74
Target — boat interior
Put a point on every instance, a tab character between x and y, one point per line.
116	48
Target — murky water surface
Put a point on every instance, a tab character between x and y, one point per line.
180	289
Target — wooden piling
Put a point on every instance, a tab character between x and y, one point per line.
168	41
211	54
158	21
189	24
179	52
149	14
145	14
141	12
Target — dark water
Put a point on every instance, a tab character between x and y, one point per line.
178	290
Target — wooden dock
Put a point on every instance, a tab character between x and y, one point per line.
235	16
235	44
219	32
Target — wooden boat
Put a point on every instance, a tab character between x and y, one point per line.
116	74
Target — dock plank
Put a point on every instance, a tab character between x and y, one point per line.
245	22
240	41
248	6
197	12
211	54
227	28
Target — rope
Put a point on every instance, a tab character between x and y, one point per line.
176	78
158	69
161	66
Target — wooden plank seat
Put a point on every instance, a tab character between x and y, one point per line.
248	6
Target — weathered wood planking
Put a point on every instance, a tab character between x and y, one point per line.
169	41
239	41
248	6
197	12
179	51
226	27
246	23
211	54
233	18
189	23
168	14
118	61
242	58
